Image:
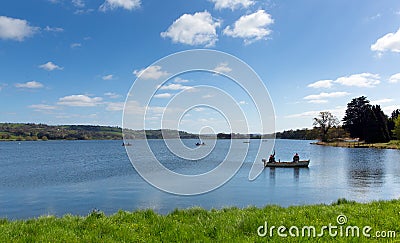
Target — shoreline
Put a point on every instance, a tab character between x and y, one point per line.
393	144
197	224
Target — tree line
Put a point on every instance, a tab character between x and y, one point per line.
363	121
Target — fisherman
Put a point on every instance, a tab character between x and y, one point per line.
272	158
296	157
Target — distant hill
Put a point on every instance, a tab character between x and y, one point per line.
33	132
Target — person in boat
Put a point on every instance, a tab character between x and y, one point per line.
296	157
271	158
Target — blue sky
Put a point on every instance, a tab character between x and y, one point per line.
74	61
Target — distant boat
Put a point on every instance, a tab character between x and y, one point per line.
246	141
301	163
199	144
126	144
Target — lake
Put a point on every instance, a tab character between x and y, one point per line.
75	177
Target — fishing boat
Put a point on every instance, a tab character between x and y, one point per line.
126	144
200	144
301	163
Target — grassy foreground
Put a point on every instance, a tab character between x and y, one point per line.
199	225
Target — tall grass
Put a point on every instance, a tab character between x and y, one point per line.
199	225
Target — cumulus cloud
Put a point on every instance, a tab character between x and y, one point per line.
222	68
180	80
112	95
108	77
125	4
395	78
232	4
197	29
321	84
78	3
75	45
364	80
381	101
115	106
251	28
43	107
16	29
317	101
79	100
152	72
53	29
29	85
50	66
175	87
388	42
164	95
324	95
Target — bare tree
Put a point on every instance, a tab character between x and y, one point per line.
324	122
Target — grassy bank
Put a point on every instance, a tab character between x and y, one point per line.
394	144
199	225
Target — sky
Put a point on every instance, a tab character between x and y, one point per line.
75	61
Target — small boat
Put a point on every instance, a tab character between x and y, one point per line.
301	163
126	144
246	141
199	144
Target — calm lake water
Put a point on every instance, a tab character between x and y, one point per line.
61	177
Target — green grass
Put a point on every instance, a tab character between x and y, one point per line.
199	225
393	144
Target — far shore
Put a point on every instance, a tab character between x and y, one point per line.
394	144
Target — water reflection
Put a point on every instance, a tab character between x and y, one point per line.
365	168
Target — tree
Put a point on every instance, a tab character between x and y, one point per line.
324	122
376	129
354	120
396	130
391	122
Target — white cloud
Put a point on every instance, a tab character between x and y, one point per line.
317	101
388	42
15	29
175	87
252	27
78	3
152	72
75	45
395	78
338	111
115	106
125	4
326	95
389	109
321	84
79	100
29	85
381	101
108	77
196	29
365	80
232	4
53	29
50	66
43	107
112	95
222	68
180	80
164	95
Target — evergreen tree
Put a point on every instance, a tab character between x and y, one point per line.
356	115
375	129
